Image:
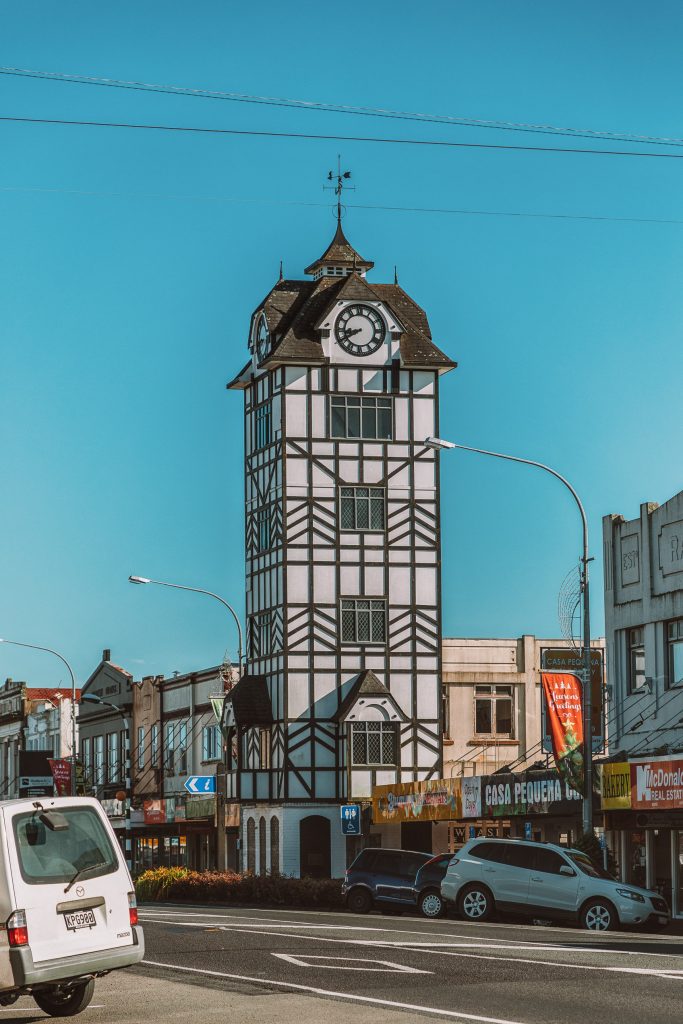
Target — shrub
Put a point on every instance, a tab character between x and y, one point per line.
180	884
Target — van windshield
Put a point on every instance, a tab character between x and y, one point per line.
55	856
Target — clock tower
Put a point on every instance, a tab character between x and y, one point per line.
342	684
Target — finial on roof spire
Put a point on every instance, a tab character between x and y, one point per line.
341	177
281	275
395	275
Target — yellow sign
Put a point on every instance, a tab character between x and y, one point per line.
615	787
434	800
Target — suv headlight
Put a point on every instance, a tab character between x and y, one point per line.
631	895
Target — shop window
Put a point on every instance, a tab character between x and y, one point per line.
636	659
493	711
674	650
373	743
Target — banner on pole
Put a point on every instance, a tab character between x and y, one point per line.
564	712
61	773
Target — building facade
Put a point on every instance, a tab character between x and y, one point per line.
644	623
342	689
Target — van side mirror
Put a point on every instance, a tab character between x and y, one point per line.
566	870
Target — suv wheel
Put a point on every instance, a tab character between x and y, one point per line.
431	904
359	901
599	915
475	903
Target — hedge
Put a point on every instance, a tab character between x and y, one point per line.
180	885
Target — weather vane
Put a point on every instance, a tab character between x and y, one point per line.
340	178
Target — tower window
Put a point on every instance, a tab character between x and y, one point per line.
263	425
363	418
364	621
362	508
262	531
260	635
373	743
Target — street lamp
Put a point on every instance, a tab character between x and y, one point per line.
48	650
92	698
438	444
208	593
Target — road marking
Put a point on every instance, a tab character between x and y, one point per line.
455	1014
413	948
386	966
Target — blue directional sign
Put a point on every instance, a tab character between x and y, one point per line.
350	819
527	830
200	785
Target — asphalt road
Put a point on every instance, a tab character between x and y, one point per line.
248	965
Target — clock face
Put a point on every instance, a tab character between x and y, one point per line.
360	330
262	339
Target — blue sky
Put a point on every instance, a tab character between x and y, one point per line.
132	261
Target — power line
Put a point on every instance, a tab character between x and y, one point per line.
342	138
458	211
339	108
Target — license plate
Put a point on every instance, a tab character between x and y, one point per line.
80	919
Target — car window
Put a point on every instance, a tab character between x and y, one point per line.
388	862
489	851
589	867
518	856
549	861
411	863
365	861
47	855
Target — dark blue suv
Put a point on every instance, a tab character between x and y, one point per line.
395	878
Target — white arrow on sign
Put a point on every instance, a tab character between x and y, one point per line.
385	966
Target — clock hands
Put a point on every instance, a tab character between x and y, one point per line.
355	330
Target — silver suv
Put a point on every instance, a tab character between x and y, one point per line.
544	880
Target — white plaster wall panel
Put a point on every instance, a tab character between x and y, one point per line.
323	661
349	580
262	785
325	694
349	470
425	557
296	792
361	784
322	481
399	484
295	378
375	555
324	584
349	450
427	698
373	471
374	581
385	778
325	758
425	756
297	584
372	451
423	418
299	554
372	380
427	663
319	414
401	686
351	541
324	788
350	662
297	474
247	787
323	449
399	583
376	662
324	554
425	477
297	694
398	661
425	586
423	382
347	380
301	756
401	419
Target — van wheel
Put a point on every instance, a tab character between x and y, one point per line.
599	915
359	901
475	903
431	904
65	1002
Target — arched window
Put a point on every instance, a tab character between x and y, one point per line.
262	846
251	845
274	846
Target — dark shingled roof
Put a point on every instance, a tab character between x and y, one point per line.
366	685
251	701
339	253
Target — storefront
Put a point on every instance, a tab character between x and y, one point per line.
643	805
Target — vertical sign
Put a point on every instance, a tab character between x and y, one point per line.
564	713
569	659
350	819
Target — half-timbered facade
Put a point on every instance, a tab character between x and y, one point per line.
342	560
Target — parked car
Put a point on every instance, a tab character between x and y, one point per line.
385	878
548	880
67	901
427	886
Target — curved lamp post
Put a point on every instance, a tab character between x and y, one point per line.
48	650
208	593
439	444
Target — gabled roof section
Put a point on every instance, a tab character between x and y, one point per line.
339	253
367	687
417	348
250	702
300	341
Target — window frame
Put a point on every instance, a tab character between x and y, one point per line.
380	497
360	402
140	752
263	424
262	531
211	743
384	610
635	643
673	625
382	728
489	692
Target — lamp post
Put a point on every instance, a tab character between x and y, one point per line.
439	444
208	593
48	650
92	698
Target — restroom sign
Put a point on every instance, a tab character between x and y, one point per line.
350	819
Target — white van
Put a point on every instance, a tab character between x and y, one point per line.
67	905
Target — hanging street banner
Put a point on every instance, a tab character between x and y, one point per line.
61	773
433	800
569	659
564	713
615	786
527	793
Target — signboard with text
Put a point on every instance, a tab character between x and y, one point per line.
657	785
568	659
527	793
615	786
432	800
